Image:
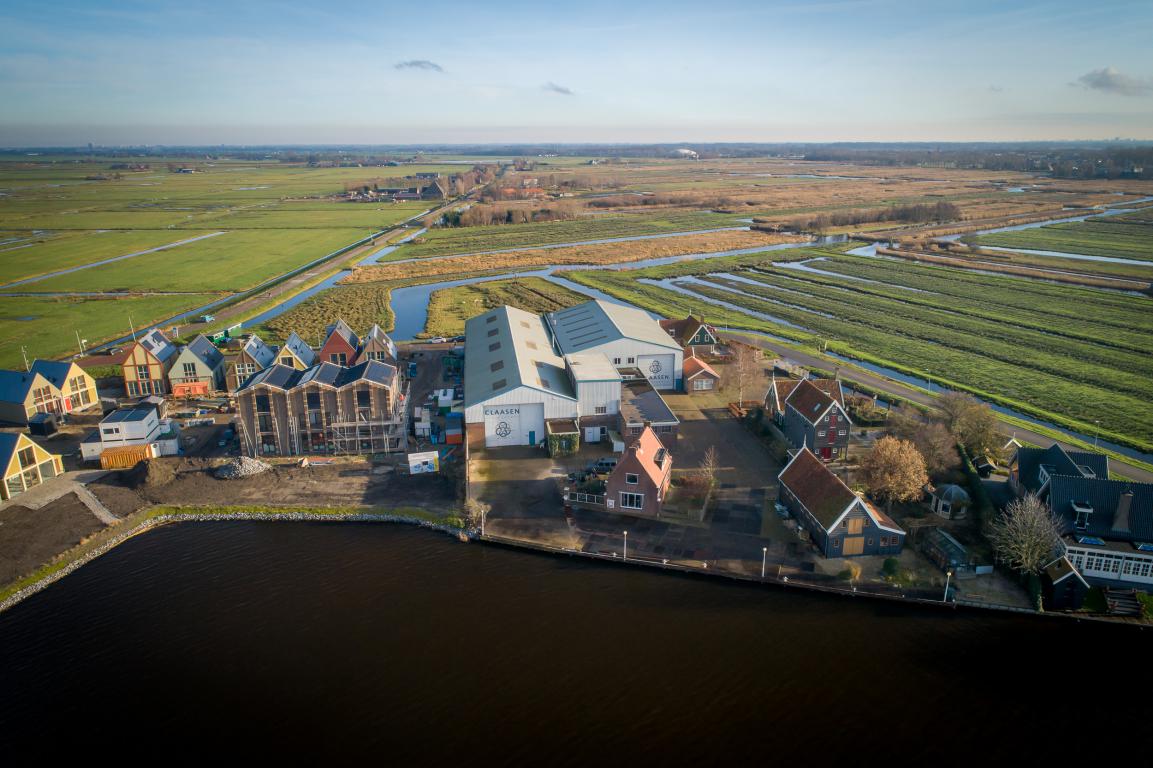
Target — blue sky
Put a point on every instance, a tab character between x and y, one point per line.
261	71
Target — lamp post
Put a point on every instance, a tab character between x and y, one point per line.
1097	432
626	545
948	575
764	560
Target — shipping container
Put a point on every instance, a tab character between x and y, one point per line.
125	456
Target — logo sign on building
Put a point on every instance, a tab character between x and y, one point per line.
423	463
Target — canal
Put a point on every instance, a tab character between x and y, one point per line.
333	642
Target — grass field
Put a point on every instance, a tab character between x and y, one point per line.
1112	238
47	327
450	307
1028	345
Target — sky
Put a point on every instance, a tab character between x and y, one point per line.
280	71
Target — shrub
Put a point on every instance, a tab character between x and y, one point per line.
891	567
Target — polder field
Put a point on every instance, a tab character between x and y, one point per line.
173	242
1128	236
1071	355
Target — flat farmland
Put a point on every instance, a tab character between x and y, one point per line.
1112	238
231	262
1070	355
41	254
46	326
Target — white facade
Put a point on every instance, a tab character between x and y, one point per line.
517	417
136	426
1105	563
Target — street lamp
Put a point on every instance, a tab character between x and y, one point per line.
626	545
764	560
948	575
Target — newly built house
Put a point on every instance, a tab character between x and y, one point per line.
77	388
198	369
341	346
841	523
327	409
296	354
138	432
23	394
376	345
25	464
254	355
147	365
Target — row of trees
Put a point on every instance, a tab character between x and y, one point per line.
921	213
483	215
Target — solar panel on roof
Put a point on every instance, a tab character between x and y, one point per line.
1143	546
1090	540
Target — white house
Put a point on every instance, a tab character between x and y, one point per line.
138	425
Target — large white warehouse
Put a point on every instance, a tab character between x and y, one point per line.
526	375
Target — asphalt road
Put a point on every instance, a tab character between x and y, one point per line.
882	384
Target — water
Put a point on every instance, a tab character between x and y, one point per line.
399	646
1068	255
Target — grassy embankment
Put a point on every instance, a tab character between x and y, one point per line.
1112	238
1098	274
449	308
1076	372
141	521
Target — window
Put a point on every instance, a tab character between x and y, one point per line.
616	361
264	423
496	366
664	429
821	433
142	373
632	360
27	457
190	370
490	319
494	346
634	430
600	410
286	360
843	432
312	399
631	478
133	389
836	543
884	541
111	430
363	399
869	542
262	404
632	500
499	383
340	358
493	332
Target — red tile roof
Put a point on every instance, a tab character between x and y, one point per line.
695	366
811	400
779	392
647	449
822	492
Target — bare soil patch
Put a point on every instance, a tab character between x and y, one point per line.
31	537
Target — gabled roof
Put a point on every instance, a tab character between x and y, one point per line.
1122	509
821	492
1061	569
599	322
1057	461
15	385
685	328
377	337
298	349
343	330
779	391
694	367
205	351
8	445
158	344
278	376
811	401
262	354
507	348
648	455
56	372
337	376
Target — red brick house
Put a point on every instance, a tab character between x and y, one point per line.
638	484
699	376
341	346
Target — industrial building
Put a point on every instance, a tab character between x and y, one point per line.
588	370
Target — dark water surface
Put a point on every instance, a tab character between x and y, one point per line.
322	643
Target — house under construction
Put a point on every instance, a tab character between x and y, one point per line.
325	409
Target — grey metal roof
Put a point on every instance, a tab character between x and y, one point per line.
506	348
302	351
263	354
376	334
1110	519
127	414
55	371
205	351
598	322
158	344
1058	461
278	376
591	366
344	330
641	403
14	385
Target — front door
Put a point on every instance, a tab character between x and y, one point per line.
854	545
531	437
826	453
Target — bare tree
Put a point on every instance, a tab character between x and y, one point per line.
932	438
709	466
744	371
972	422
1026	534
894	471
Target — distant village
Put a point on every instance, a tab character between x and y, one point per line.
616	412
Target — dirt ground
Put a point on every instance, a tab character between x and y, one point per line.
30	537
346	482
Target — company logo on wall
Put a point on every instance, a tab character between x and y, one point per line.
655	367
503	429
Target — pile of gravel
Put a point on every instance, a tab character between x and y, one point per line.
242	466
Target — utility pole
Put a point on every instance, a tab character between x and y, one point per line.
24	352
132	327
764	561
80	342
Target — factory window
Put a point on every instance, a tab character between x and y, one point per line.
601	410
496	366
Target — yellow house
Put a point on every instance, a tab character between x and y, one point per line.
25	464
147	365
23	394
296	354
77	388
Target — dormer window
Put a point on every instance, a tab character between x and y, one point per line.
1081	510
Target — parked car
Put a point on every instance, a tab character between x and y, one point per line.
438	340
606	464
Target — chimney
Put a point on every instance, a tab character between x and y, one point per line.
1121	518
